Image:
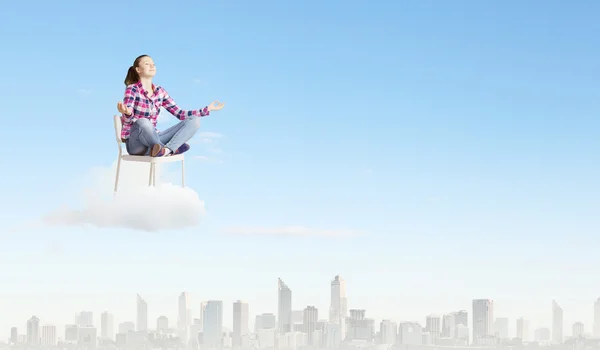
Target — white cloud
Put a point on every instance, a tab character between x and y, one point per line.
288	231
136	205
84	92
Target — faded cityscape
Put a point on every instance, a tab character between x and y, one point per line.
302	329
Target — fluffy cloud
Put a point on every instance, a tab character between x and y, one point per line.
287	231
136	205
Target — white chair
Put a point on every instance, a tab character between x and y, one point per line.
144	159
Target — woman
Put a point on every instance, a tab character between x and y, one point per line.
140	108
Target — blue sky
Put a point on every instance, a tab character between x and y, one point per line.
460	139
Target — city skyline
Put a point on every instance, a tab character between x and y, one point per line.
493	325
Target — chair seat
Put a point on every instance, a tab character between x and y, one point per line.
148	159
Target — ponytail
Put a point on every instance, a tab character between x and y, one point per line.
132	75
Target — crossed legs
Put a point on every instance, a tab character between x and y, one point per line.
144	137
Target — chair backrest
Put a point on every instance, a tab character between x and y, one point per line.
118	128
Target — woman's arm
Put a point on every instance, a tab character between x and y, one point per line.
169	104
129	103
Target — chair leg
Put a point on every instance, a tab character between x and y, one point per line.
182	174
154	176
150	175
117	175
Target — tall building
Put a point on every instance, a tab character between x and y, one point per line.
433	325
577	330
212	328
162	324
84	319
410	333
557	323
240	323
183	316
597	318
284	301
309	322
542	335
265	321
14	335
338	310
48	335
107	326
522	329
142	314
448	326
388	332
483	319
33	331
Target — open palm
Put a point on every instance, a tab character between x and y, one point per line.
215	106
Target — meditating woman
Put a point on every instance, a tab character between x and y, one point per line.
140	108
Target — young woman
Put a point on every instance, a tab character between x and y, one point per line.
140	108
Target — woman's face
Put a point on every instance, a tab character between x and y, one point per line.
146	67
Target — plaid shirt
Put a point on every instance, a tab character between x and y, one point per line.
144	106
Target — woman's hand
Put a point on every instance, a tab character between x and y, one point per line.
123	109
215	106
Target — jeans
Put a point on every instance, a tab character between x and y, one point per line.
143	135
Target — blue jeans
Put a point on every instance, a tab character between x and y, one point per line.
143	135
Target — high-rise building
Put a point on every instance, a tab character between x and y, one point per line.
162	324
48	335
14	336
84	319
142	314
284	301
542	335
557	323
577	330
597	318
483	319
448	326
212	328
33	331
183	316
338	310
309	323
433	325
388	332
265	321
410	333
522	329
240	323
107	326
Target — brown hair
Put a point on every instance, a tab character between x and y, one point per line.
132	75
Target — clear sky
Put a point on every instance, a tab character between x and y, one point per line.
458	139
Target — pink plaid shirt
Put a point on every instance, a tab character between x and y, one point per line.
144	106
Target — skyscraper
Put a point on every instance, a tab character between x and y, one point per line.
48	335
597	318
557	323
142	314
522	329
483	319
240	323
33	331
107	326
284	301
338	309
183	316
310	316
212	328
